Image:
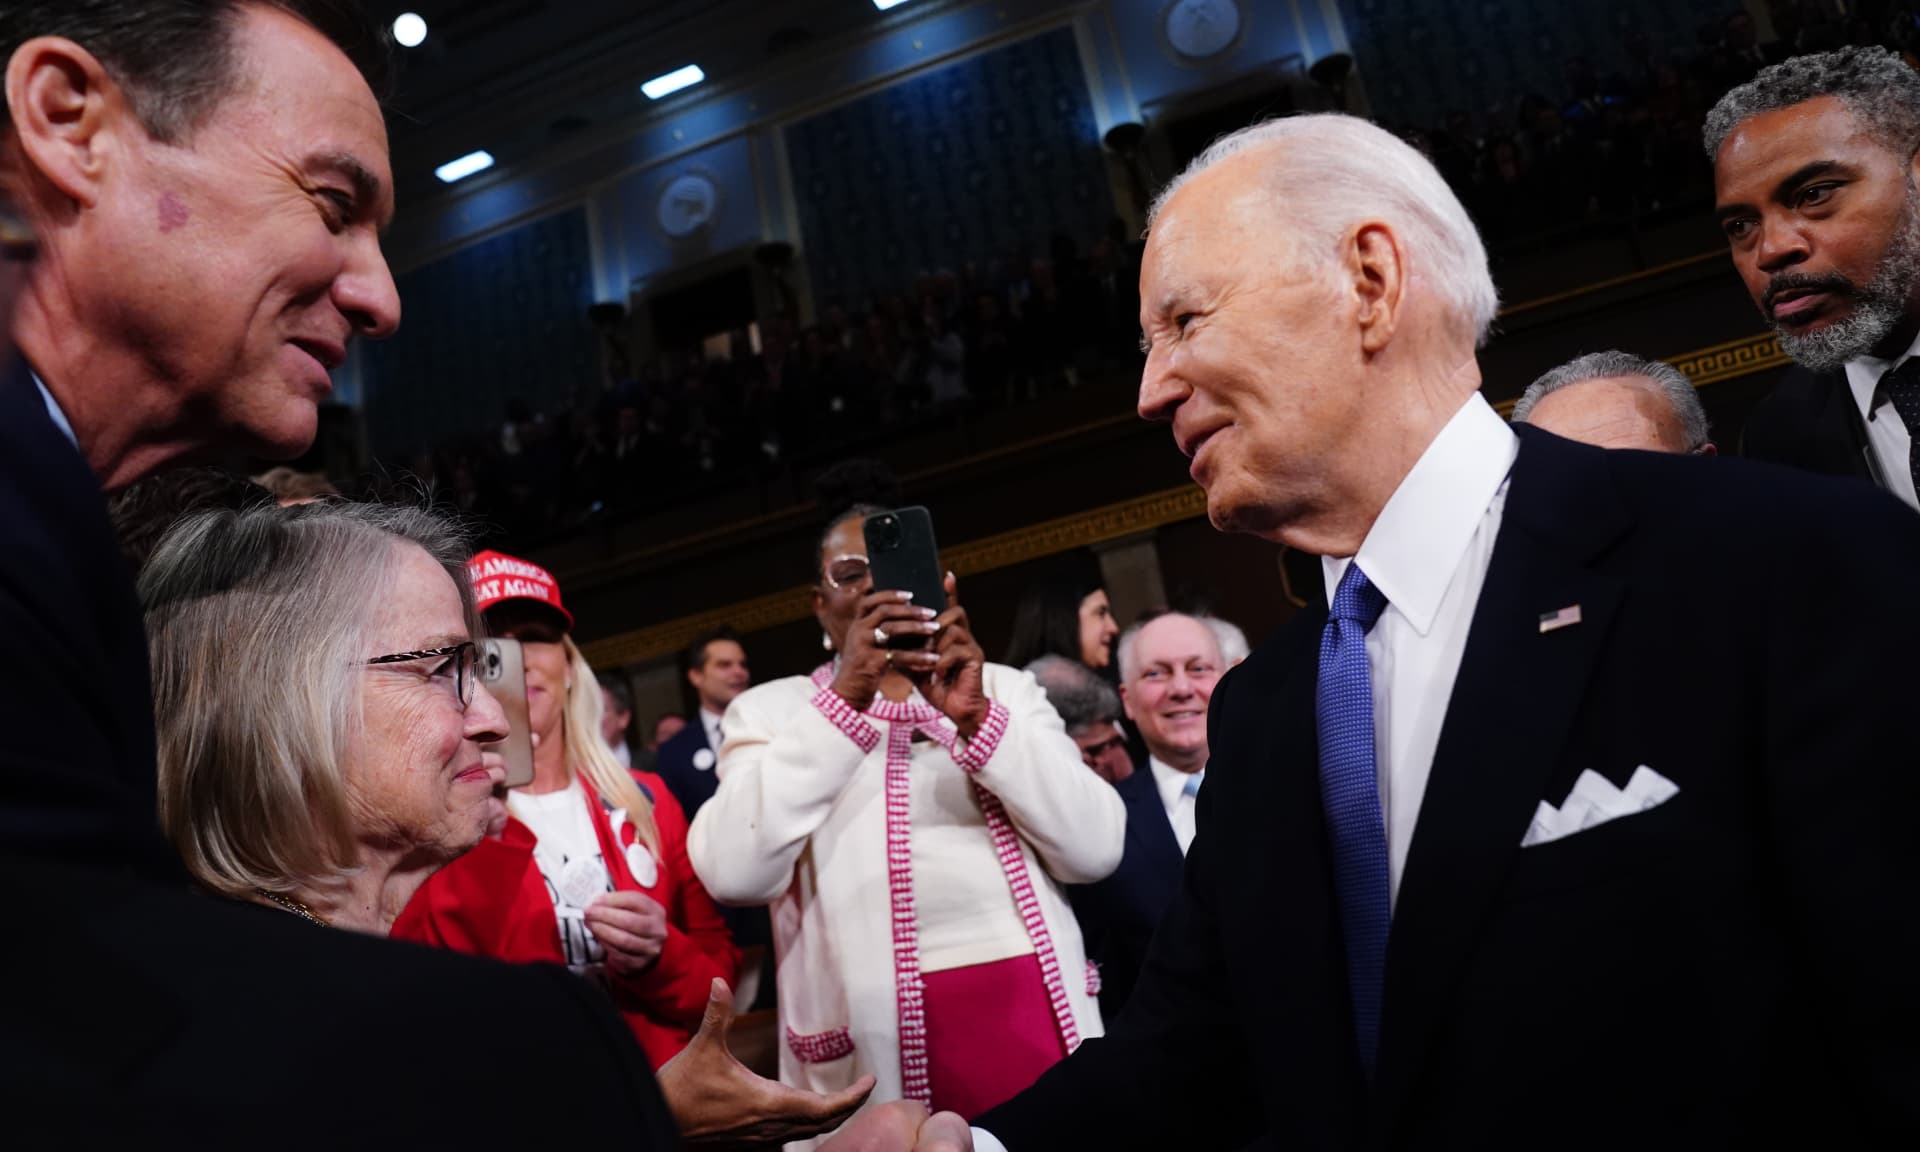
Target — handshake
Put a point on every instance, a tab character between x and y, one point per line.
902	1126
717	1103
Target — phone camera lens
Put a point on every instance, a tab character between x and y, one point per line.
886	531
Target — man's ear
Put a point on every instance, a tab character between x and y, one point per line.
1376	265
1126	705
65	111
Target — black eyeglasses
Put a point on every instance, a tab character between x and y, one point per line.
460	661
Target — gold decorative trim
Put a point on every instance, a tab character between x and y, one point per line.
1734	358
1703	366
1706	366
1004	550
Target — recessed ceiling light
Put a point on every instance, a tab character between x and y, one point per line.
883	5
465	166
410	30
673	81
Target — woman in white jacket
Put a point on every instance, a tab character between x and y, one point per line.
910	815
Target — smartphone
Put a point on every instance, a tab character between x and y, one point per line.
902	556
505	676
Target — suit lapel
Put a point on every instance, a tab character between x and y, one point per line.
1160	848
1516	695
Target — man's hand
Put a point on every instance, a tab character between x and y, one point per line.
945	1132
718	1103
631	926
902	1126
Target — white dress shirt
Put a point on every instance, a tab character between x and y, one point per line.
54	411
1428	553
712	722
1887	435
1174	795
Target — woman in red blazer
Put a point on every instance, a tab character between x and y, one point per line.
586	866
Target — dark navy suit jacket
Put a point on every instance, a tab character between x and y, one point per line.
691	785
1730	969
1118	915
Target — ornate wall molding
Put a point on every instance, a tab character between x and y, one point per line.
1734	358
1110	522
1705	366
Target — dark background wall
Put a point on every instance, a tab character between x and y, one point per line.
987	156
1421	61
501	320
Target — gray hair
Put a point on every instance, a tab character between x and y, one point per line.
1077	692
1359	171
1672	384
255	622
1876	85
1124	653
1233	642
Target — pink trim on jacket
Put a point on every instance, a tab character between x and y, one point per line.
904	719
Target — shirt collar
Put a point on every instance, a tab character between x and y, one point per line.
1415	545
711	720
1864	374
1169	780
54	411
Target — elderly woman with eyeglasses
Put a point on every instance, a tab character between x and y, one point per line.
589	865
320	729
911	813
320	747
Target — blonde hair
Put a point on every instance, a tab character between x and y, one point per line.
255	626
588	754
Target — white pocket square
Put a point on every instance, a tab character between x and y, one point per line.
1594	801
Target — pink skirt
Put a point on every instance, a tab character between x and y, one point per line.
990	1033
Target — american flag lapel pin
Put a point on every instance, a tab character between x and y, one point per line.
1560	618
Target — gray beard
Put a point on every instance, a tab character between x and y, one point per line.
1879	308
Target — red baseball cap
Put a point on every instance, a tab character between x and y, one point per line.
498	578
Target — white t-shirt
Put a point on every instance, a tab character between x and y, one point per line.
568	854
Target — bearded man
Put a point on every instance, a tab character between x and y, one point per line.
1814	181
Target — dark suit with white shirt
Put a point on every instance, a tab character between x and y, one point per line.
686	762
1731	968
1118	915
1811	421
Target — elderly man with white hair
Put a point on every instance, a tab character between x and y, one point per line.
1618	400
1568	825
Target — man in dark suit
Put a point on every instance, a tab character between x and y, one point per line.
1814	167
1117	915
717	669
205	181
1572	826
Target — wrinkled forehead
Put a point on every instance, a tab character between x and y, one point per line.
1176	640
848	538
295	83
1770	144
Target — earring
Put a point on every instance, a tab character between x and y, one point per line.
826	642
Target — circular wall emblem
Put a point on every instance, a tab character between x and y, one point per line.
1201	29
687	203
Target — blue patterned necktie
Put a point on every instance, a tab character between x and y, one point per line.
1350	796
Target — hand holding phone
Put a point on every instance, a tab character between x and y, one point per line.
504	674
902	557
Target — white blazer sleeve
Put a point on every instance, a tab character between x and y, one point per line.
1072	818
783	766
